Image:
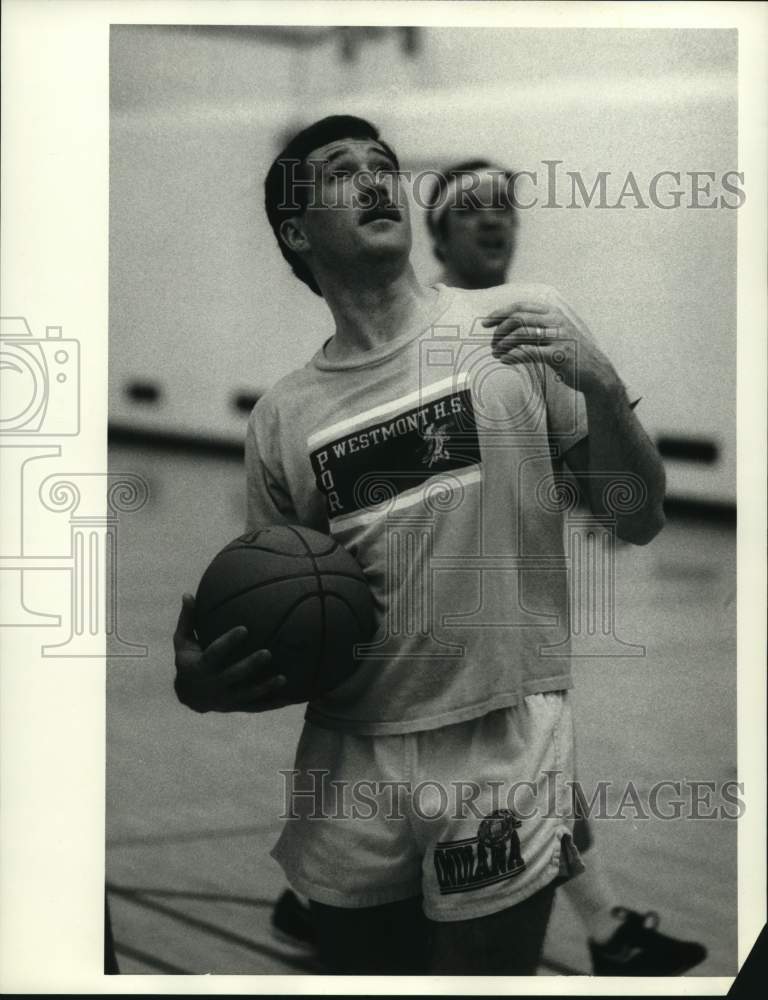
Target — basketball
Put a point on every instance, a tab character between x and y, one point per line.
300	594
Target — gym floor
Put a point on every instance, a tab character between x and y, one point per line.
193	800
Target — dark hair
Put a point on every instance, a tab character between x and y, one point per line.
436	218
282	201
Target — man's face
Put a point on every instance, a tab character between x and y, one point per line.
358	210
478	234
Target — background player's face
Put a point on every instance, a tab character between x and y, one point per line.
359	212
478	239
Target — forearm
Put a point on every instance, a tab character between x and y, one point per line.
620	453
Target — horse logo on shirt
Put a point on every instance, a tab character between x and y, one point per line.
435	437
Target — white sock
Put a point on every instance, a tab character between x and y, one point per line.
592	897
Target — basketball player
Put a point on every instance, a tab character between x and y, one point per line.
472	221
419	436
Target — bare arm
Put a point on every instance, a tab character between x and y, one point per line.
618	461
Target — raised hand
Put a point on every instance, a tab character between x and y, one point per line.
545	328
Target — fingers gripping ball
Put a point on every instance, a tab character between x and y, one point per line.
300	594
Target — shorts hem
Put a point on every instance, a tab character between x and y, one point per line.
486	907
352	901
361	727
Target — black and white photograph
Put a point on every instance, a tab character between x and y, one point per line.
403	583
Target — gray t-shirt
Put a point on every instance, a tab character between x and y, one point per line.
433	463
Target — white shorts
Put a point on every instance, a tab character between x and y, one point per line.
474	817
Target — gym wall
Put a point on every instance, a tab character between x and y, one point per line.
205	315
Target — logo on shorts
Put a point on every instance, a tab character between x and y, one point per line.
492	856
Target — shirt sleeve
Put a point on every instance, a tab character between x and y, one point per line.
567	411
268	500
633	395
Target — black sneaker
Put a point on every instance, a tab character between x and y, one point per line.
290	916
637	949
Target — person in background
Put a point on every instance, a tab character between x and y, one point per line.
473	224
